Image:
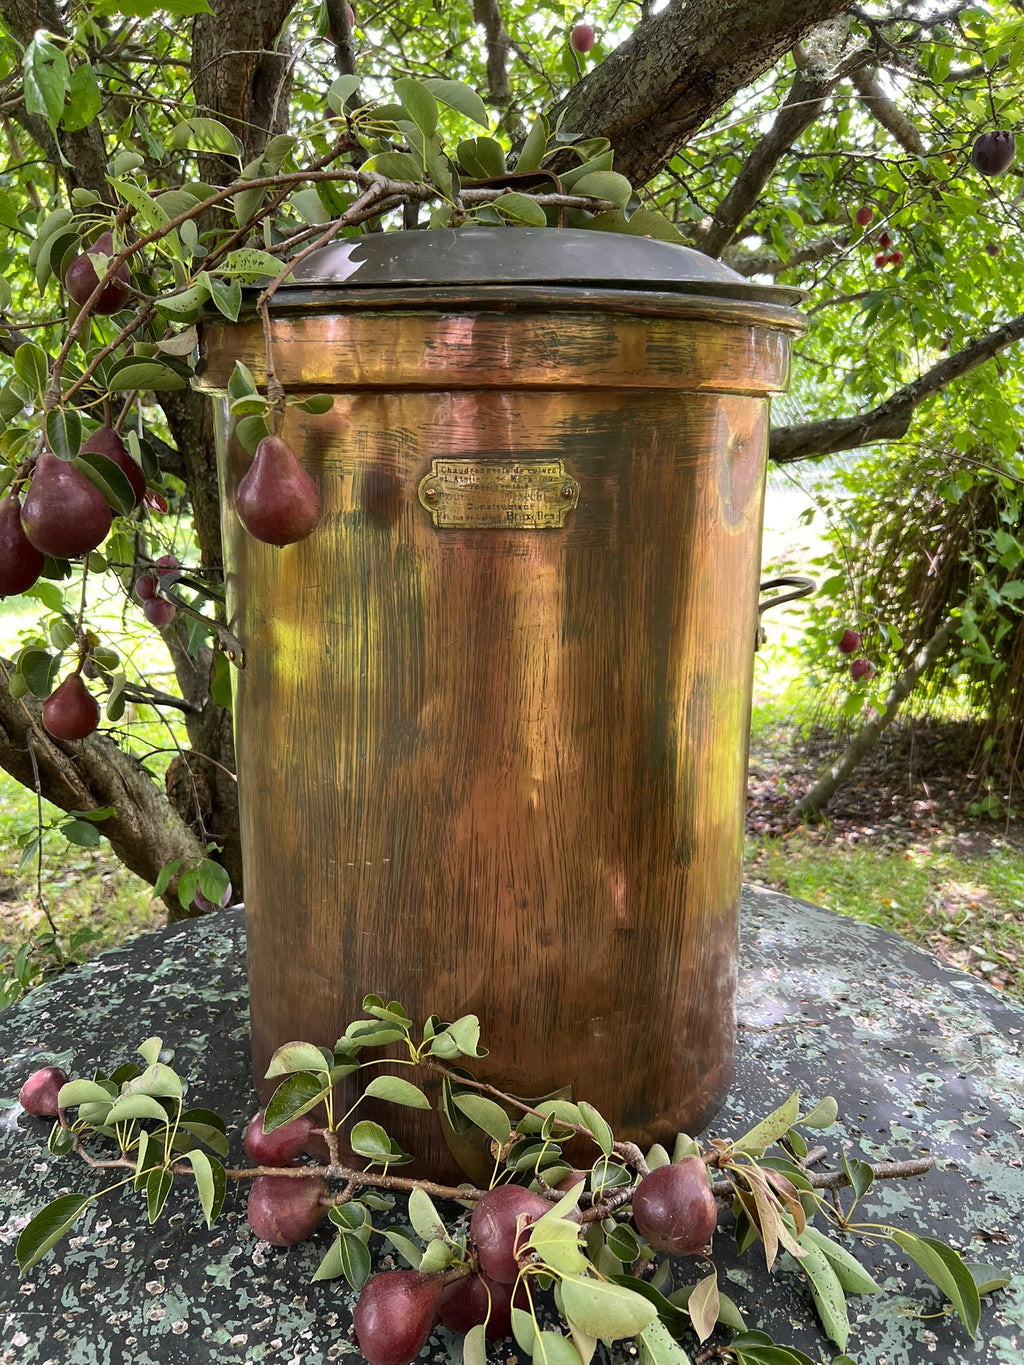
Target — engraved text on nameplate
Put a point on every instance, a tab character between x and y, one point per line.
526	494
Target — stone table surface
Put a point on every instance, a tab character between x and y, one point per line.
921	1059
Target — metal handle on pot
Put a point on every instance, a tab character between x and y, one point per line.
800	586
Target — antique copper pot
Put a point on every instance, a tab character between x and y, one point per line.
492	725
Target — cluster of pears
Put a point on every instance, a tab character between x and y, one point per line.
63	514
674	1211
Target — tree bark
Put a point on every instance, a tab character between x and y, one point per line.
889	421
145	833
678	67
814	802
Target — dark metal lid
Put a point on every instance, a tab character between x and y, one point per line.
524	256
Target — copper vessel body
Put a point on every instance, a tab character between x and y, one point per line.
494	768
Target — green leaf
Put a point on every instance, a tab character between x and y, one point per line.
424	1217
292	1057
405	1246
623	1243
147	373
226	295
211	1184
136	1107
395	166
342	90
521	208
771	1128
48	1226
186	304
985	1278
32	366
605	185
158	1187
481	158
250	264
205	135
157	1079
352	1259
81	833
460	97
946	1269
83	1092
486	1115
143	8
148	210
827	1293
109	478
659	1347
474	1346
396	1091
534	147
418	102
556	1242
859	1174
64	432
317	404
703	1306
97	814
466	1033
823	1115
852	1276
601	1129
84	99
294	1097
606	1311
551	1348
39	670
46	79
370	1140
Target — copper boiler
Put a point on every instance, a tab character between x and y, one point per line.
493	721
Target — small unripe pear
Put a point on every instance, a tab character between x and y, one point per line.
674	1209
494	1224
281	1145
64	514
105	441
81	278
71	711
850	641
38	1095
285	1211
277	501
993	153
395	1314
20	562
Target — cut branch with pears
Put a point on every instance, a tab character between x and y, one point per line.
597	1236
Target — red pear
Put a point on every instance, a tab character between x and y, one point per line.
71	711
81	278
493	1228
277	501
395	1314
850	641
64	514
158	611
39	1093
476	1299
993	153
281	1145
582	37
285	1211
674	1209
20	562
105	441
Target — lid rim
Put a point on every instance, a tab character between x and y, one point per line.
581	258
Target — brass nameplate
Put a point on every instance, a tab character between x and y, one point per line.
523	494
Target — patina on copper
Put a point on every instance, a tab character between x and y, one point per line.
496	765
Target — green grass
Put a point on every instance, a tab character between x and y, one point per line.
968	911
